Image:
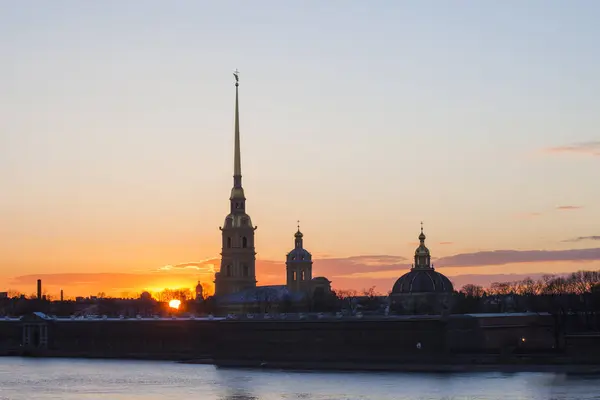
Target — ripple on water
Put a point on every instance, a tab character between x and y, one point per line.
70	379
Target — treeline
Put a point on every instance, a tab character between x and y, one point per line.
578	283
575	296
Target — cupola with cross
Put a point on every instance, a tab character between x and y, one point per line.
422	255
298	264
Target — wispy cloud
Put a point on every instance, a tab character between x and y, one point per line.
582	238
501	257
585	148
568	207
201	266
346	272
445	243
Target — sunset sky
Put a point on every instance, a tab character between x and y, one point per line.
360	119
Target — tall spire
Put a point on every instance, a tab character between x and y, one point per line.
237	163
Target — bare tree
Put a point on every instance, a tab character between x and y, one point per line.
473	290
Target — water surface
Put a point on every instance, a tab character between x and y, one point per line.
71	379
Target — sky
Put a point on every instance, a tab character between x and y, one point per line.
360	119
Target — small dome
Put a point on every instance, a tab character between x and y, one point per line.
422	250
298	235
299	254
422	281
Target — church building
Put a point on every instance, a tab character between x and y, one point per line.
423	290
235	283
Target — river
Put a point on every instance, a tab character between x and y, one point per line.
70	379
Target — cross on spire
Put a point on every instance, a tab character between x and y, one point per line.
421	226
298	225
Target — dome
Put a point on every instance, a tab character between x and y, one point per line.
299	254
422	281
298	235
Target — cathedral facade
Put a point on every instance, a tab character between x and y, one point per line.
235	283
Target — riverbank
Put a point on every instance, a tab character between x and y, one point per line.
569	368
555	365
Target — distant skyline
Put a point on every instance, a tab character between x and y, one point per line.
359	119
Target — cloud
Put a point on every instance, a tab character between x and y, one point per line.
501	257
445	243
271	272
200	266
567	208
587	148
582	238
354	272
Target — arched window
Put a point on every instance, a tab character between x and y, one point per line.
301	275
294	275
245	270
228	242
244	242
229	270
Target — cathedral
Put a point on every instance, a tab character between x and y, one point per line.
422	290
235	283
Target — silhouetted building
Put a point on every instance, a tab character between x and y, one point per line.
235	283
298	265
423	290
199	292
238	258
299	270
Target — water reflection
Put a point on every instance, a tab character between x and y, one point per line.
26	379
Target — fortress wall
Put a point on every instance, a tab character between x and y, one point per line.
184	339
381	339
10	336
350	340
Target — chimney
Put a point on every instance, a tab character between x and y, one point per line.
61	295
39	289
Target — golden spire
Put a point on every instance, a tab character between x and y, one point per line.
237	163
298	233
422	235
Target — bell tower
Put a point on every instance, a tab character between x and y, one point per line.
298	265
238	257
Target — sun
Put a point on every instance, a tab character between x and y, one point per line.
175	303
